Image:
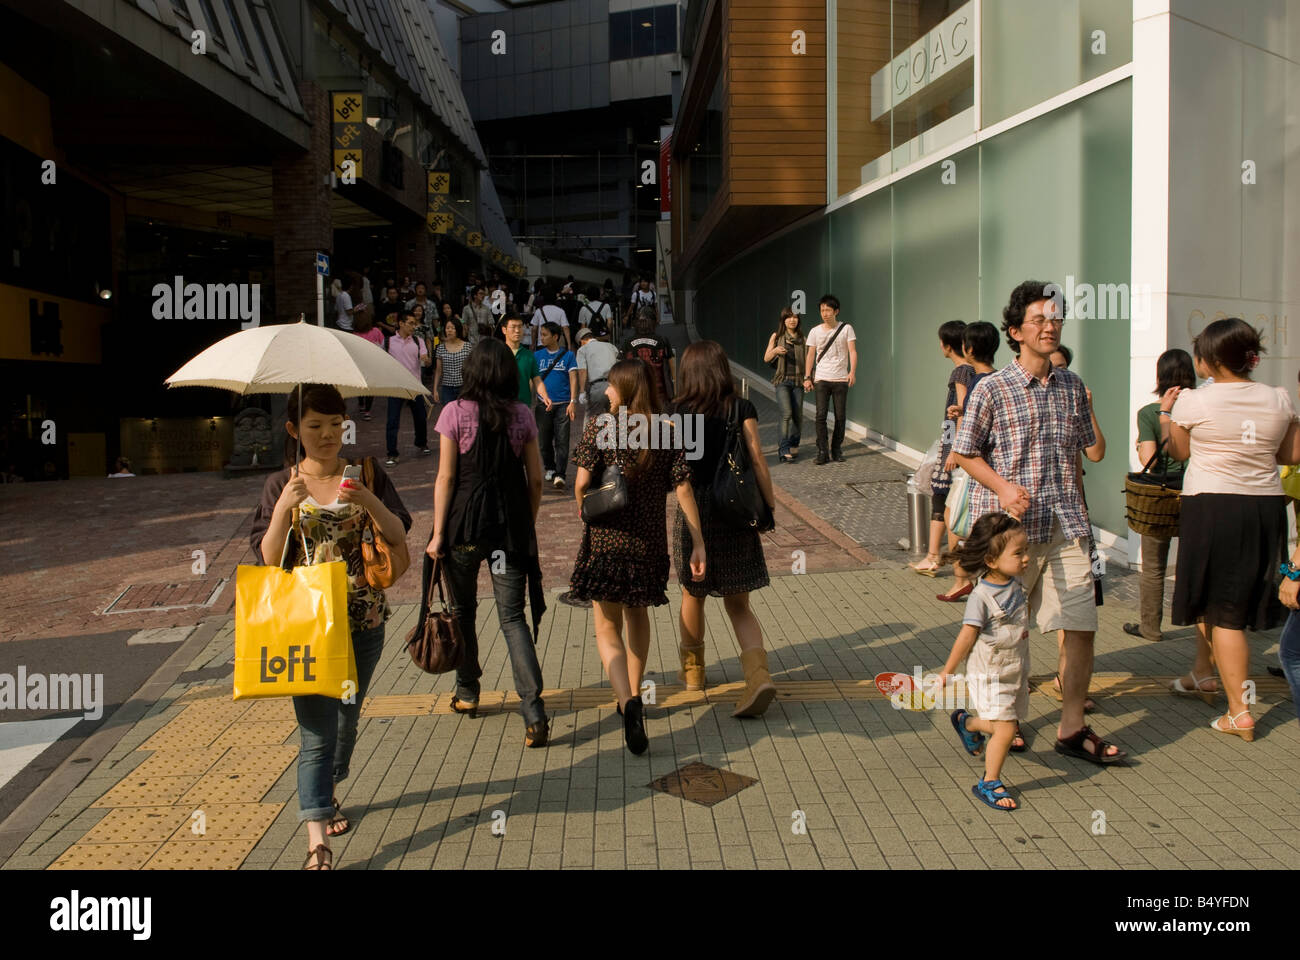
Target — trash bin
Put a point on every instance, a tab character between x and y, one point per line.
918	519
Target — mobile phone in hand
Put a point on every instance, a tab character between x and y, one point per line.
350	473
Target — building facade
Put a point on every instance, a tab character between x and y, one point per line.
1143	154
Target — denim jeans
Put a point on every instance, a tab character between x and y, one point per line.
328	730
553	436
828	390
790	396
395	405
508	588
1288	652
447	394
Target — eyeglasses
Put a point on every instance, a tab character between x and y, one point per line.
1046	322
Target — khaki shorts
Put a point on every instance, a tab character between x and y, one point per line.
1058	584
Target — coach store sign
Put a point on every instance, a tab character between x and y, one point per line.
177	445
936	54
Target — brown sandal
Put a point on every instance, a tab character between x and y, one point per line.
1072	746
324	858
330	828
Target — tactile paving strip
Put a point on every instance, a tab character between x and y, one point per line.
273	708
408	705
136	791
179	763
262	758
201	855
259	732
228	821
231	787
126	825
105	856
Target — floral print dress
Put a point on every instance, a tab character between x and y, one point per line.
333	532
625	559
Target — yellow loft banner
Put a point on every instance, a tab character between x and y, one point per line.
439	182
349	122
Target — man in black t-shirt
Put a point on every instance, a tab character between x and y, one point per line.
385	308
654	350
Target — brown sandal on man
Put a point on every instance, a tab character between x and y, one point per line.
324	858
1054	691
1072	746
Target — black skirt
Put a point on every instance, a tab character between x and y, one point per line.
734	561
1229	549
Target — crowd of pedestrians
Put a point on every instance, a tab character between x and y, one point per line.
1007	493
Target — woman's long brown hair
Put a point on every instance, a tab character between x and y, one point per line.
637	393
786	313
705	378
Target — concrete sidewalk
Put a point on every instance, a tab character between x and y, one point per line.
840	777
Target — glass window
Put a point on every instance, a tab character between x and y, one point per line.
705	172
1033	51
643	32
266	49
239	32
620	35
665	29
214	25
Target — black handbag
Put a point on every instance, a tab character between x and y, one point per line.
608	500
736	496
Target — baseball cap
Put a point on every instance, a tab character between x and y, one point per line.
583	334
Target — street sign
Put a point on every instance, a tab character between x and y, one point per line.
323	264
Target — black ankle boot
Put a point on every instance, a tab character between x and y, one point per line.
634	727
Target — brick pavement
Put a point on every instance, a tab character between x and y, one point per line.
877	787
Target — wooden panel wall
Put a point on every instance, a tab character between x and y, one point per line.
864	48
774	127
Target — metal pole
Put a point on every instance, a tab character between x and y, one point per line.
320	299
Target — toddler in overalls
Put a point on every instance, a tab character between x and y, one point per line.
994	641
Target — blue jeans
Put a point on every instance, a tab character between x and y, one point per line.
328	729
395	405
1288	652
447	394
508	587
790	397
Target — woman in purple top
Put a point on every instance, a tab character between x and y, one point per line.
485	504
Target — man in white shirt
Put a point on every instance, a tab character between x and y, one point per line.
642	296
476	313
832	366
549	311
594	307
344	309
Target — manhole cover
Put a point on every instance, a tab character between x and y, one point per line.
703	784
166	596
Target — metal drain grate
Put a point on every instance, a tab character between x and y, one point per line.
166	596
703	784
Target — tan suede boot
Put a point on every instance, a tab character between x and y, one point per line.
759	688
692	671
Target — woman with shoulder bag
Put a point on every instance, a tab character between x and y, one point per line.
622	563
333	517
737	566
485	500
785	353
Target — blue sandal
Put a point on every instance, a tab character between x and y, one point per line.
972	741
986	790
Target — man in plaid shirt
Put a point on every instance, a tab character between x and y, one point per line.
1020	440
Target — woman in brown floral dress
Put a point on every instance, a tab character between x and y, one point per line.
622	563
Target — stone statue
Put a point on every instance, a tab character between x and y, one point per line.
253	439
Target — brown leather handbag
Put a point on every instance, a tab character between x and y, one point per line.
385	562
436	646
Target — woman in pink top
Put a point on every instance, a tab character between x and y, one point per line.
1232	528
364	327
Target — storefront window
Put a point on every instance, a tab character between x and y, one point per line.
1033	51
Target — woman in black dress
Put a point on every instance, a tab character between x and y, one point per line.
736	565
622	563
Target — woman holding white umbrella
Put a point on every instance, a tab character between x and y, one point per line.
333	513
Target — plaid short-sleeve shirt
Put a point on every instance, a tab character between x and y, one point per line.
1030	433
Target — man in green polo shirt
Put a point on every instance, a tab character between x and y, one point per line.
530	377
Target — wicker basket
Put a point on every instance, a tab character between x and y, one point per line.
1151	507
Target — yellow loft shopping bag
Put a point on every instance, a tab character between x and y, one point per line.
291	632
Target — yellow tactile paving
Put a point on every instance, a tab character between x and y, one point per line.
201	855
231	787
407	705
246	734
137	825
272	708
136	791
227	821
105	856
179	763
261	758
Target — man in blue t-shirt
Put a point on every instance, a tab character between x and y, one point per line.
559	370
